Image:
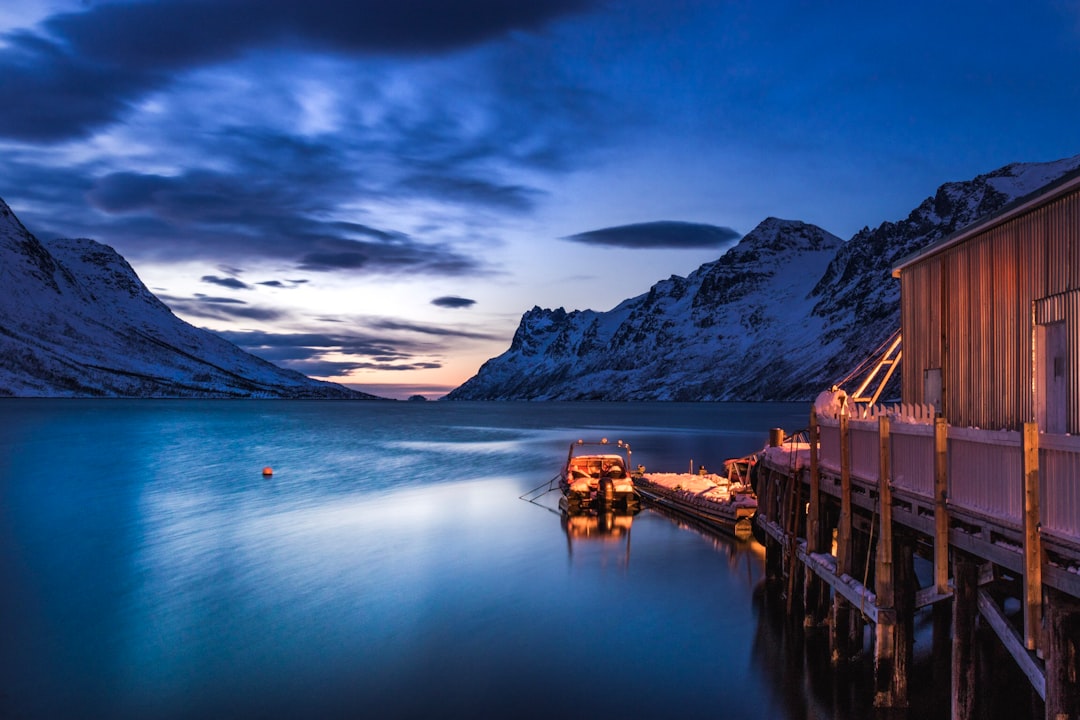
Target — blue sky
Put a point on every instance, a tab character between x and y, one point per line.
374	191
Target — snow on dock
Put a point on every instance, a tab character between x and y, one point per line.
708	497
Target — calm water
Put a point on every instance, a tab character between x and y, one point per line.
388	568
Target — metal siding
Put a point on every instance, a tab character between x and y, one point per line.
1072	379
920	323
1057	250
1069	213
956	335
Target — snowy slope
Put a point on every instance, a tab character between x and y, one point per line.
787	312
76	321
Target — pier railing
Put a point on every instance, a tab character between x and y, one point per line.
985	469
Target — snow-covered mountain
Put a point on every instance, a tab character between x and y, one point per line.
787	312
76	321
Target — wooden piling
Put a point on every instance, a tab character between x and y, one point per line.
1062	653
965	612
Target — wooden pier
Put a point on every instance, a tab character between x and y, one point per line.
848	509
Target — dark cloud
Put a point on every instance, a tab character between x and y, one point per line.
215	308
306	352
288	284
453	301
431	330
347	343
87	67
253	213
228	282
472	191
219	300
666	234
350	260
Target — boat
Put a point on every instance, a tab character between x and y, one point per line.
597	476
725	501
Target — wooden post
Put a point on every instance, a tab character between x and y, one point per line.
965	611
843	528
841	630
941	513
766	504
1062	651
883	573
890	676
815	591
813	519
1033	555
793	585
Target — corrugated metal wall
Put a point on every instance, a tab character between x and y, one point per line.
968	311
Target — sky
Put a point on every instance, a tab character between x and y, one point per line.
374	191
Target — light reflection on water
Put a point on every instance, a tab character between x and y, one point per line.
386	569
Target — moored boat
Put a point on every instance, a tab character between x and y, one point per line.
597	476
726	501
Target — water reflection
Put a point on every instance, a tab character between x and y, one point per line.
602	528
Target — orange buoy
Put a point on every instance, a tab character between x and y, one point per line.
268	471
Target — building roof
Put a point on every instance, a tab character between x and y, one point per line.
1047	193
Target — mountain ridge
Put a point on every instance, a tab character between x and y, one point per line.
783	314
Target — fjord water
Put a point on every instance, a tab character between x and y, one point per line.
387	569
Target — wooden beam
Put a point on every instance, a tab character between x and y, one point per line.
847	587
1033	554
941	513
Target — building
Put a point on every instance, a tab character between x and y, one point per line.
990	317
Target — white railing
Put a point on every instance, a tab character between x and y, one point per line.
912	458
865	449
1059	483
829	432
985	469
986	473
